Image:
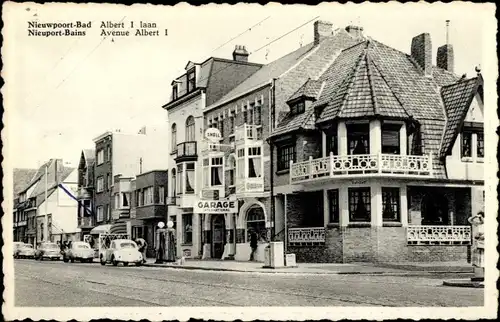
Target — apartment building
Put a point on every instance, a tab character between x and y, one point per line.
85	195
381	157
201	85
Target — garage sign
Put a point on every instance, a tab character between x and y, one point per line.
215	206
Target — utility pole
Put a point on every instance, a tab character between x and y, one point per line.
46	193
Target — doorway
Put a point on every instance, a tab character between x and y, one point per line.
218	233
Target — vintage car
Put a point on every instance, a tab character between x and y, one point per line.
26	251
17	246
121	251
80	251
48	250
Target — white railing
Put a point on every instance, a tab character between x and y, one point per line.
310	235
246	132
361	164
429	235
249	185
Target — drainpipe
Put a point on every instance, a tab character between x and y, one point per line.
271	146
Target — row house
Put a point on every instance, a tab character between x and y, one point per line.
21	179
239	165
380	158
201	85
48	204
119	158
85	195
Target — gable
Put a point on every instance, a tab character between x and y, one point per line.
475	112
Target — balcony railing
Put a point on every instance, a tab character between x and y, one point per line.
247	132
361	164
306	236
249	185
208	147
438	235
187	149
86	222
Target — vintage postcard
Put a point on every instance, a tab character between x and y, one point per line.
273	162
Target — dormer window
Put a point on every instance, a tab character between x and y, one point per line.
298	108
191	80
175	92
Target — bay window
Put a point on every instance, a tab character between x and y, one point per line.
251	114
390	138
254	162
390	204
359	204
358	139
148	196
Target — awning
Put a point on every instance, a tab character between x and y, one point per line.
102	229
118	228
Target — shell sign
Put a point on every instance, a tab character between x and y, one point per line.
213	134
215	206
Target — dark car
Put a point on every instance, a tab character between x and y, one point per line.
48	250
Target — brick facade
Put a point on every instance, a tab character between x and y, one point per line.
103	170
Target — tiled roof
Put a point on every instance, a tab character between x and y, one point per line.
266	73
310	89
22	177
457	99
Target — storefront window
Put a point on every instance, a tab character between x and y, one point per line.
359	205
187	223
390	204
256	221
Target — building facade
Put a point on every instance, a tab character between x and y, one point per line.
22	178
201	85
380	158
85	194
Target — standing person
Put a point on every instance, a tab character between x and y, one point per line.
477	221
141	243
253	244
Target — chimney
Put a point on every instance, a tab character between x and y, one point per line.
421	51
322	29
445	58
240	53
355	31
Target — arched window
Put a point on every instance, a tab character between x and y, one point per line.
174	137
256	222
231	169
174	183
190	132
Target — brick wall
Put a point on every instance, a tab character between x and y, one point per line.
437	253
391	244
331	252
103	198
359	244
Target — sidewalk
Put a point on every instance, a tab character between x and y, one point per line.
405	269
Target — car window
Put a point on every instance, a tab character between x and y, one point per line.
127	245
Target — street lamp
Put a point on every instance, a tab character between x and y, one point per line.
160	242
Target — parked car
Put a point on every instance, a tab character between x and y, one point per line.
80	251
48	250
26	251
17	246
121	251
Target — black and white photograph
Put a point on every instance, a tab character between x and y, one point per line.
274	162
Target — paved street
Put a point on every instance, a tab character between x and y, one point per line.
63	284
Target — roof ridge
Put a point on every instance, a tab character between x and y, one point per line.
376	109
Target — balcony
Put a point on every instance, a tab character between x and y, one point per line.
438	235
244	185
20	223
86	222
187	151
347	166
306	236
247	132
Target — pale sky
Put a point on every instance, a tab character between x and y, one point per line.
64	91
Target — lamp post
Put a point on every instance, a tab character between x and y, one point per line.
160	243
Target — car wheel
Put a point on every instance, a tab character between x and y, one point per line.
90	260
72	259
138	264
115	263
103	262
65	259
125	264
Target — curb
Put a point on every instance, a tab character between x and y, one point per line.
463	283
276	271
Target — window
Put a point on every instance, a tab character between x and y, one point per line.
175	92
390	204
140	198
125	199
390	138
191	80
241	163
187	225
359	204
220	127
100	156
117	201
180	182
331	142
190	178
466	144
415	140
206	172
108	152
231	168
258	113
254	162
109	183
298	108
245	115
256	221
231	124
148	196
173	219
174	183
174	138
286	154
100	213
161	195
108	212
100	184
480	145
251	114
358	139
333	197
216	172
190	129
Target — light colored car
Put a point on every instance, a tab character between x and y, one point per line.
26	251
48	250
80	251
121	251
17	246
